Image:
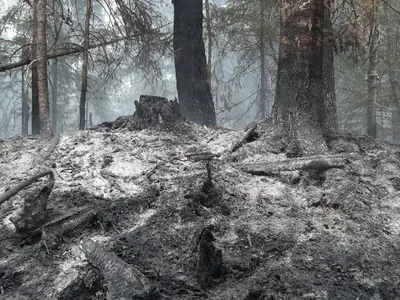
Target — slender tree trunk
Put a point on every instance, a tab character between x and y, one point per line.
194	91
54	92
44	113
35	88
85	58
24	106
300	83
372	81
263	85
209	40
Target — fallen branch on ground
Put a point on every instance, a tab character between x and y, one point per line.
244	139
316	163
16	189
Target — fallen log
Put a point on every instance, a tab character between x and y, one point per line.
316	163
244	139
16	189
123	281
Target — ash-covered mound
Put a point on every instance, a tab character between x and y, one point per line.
185	211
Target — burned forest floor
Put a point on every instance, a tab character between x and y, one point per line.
149	195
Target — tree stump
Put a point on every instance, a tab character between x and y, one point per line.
151	112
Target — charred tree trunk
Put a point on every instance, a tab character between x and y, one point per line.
263	84
194	90
35	88
85	58
328	113
300	83
44	112
372	81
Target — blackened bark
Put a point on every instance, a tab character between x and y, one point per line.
300	84
329	111
194	90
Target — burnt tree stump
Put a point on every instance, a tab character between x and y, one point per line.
210	268
151	112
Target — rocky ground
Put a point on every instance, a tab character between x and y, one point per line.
141	194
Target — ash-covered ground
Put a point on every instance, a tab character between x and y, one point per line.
289	235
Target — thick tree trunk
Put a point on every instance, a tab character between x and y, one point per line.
300	84
85	58
263	77
44	113
194	91
372	81
329	111
35	89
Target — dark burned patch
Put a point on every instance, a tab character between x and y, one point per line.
10	280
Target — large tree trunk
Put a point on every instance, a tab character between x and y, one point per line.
194	91
35	89
44	113
85	58
300	83
263	84
372	81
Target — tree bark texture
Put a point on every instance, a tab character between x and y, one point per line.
44	112
85	59
300	82
24	105
194	91
263	69
372	80
35	88
329	111
54	94
209	40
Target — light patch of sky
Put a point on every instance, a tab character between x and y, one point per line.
8	32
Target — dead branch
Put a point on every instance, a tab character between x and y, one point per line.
316	163
16	189
244	139
123	281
